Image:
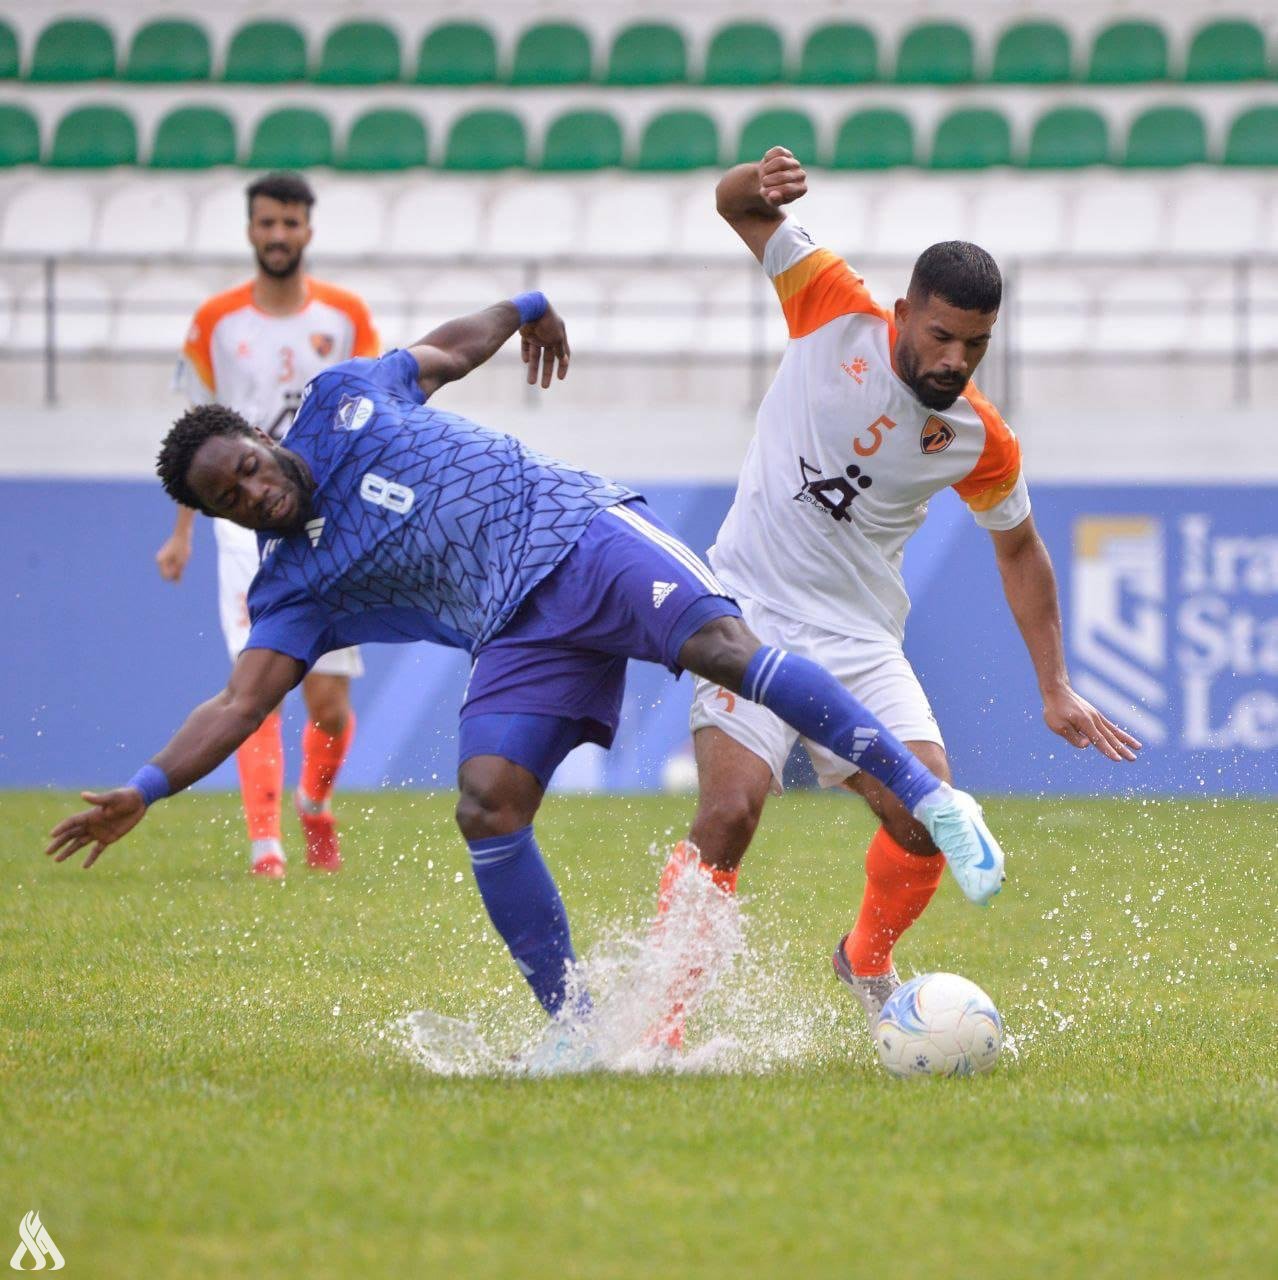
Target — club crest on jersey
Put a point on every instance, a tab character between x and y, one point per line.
352	413
322	344
936	436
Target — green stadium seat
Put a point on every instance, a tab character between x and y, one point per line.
1128	53
877	138
839	53
359	53
675	140
266	53
745	53
169	50
457	53
1253	138
972	138
552	53
583	140
935	53
74	49
385	138
1032	53
94	138
1227	51
779	127
9	62
291	138
648	53
194	138
19	136
1068	138
487	139
1166	138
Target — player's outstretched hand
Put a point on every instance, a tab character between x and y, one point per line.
113	815
544	345
1081	725
781	177
172	558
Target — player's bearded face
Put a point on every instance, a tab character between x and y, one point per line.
279	234
938	347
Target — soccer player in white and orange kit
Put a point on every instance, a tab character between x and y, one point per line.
870	415
253	349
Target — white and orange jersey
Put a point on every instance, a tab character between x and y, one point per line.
845	458
257	364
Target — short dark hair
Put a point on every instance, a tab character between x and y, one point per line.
287	188
200	423
960	272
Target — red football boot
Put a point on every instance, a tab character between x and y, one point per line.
322	850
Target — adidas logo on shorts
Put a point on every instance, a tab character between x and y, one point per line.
660	592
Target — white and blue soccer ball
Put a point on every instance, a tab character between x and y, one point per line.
938	1024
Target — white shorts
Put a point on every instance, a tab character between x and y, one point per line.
874	670
237	562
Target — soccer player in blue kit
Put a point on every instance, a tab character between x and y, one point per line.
383	519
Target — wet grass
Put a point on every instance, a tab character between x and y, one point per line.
192	1081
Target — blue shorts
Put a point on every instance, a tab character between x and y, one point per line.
628	589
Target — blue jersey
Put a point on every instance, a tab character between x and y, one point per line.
423	526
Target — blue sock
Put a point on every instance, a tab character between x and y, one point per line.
808	698
526	909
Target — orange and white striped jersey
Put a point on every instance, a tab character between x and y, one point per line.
257	364
845	458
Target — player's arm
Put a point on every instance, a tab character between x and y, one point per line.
455	348
173	556
259	680
1030	586
749	197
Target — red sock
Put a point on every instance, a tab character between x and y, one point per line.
680	856
898	885
261	764
322	758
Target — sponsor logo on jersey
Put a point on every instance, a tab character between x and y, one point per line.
937	435
322	344
314	528
352	413
661	592
855	369
832	494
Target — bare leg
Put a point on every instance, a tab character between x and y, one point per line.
734	785
897	821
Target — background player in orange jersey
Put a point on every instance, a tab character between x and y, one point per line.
253	349
870	415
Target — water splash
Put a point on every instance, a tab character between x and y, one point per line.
745	1002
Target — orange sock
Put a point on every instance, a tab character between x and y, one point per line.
898	885
680	856
322	758
261	763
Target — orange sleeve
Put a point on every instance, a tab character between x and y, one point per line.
820	288
365	341
999	466
198	348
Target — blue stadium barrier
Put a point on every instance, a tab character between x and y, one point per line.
1169	594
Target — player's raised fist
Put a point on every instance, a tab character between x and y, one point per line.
172	558
544	343
782	178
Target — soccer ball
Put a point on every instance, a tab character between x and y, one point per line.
938	1024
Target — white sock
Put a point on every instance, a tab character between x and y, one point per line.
312	808
262	848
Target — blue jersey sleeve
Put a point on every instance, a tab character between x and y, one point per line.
395	372
293	624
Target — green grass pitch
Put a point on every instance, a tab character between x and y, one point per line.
192	1084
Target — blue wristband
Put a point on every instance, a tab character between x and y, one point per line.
152	782
531	306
